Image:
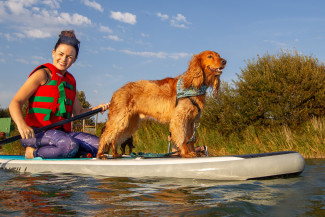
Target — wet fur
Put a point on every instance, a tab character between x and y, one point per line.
157	99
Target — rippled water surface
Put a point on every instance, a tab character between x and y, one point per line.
70	195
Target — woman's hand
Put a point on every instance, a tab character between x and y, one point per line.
103	106
26	132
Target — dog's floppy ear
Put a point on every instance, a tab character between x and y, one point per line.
216	86
194	74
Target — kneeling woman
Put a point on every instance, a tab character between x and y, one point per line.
51	94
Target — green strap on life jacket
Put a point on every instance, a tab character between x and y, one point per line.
62	98
67	85
47	112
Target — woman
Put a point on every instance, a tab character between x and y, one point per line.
51	94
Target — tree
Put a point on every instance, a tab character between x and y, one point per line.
287	88
4	113
82	98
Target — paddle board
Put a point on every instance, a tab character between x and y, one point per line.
237	167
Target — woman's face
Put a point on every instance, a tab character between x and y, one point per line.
63	57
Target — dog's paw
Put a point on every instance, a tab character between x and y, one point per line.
200	154
189	155
102	157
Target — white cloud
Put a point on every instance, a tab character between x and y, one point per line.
18	7
75	19
36	33
159	55
114	38
34	60
30	20
163	16
108	48
24	61
93	4
9	37
105	29
124	17
144	35
177	56
52	3
179	21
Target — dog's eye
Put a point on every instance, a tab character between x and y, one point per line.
210	56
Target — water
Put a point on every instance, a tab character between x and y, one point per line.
69	195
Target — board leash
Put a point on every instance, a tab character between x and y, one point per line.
151	155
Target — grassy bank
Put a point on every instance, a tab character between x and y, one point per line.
309	140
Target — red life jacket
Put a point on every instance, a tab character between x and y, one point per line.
53	101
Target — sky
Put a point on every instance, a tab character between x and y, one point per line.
130	40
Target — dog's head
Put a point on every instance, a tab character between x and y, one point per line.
204	68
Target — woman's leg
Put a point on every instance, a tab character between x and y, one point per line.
52	144
88	143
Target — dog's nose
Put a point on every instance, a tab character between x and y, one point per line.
223	61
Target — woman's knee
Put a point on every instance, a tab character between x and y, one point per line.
57	144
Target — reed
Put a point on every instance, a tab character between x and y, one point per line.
151	137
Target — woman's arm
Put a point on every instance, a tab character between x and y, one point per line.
77	109
37	79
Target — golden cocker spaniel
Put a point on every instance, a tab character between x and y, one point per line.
177	101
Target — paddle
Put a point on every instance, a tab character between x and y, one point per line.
14	138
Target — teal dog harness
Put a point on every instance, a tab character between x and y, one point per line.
181	92
190	91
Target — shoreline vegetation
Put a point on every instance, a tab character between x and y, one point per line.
308	140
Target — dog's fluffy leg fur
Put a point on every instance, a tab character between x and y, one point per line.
121	124
114	150
181	127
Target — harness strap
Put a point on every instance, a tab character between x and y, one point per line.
192	101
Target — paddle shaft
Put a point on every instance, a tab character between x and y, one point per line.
86	114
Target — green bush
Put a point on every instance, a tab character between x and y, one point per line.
283	89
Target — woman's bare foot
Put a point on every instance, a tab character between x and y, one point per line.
29	153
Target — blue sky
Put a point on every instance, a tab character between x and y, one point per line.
129	40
